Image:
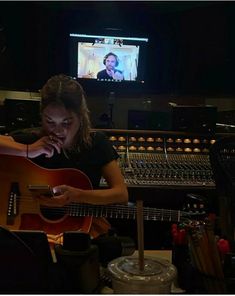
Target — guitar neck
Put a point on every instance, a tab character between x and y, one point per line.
124	212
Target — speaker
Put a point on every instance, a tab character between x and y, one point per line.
149	120
199	119
25	258
21	113
79	260
109	54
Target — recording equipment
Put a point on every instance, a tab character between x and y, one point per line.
149	120
25	261
164	158
113	246
78	260
76	241
21	113
176	170
198	119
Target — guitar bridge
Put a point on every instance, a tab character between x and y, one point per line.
12	210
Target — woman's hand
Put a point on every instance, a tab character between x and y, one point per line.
45	145
63	195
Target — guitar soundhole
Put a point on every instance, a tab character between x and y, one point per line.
52	213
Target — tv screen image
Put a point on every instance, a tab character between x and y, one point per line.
91	54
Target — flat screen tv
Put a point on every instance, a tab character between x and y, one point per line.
125	56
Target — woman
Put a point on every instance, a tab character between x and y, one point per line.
65	140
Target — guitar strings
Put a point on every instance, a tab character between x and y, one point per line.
114	210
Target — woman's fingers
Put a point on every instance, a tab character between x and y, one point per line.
54	142
45	145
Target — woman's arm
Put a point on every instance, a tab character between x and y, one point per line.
10	147
115	193
44	145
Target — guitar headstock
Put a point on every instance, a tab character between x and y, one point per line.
194	213
195	205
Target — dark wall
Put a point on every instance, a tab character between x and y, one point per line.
191	46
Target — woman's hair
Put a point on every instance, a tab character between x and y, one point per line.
67	92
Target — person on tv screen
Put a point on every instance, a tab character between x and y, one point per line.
110	72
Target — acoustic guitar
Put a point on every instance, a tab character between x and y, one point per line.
20	210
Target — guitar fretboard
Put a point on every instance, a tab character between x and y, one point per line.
124	212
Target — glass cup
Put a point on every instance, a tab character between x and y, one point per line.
156	278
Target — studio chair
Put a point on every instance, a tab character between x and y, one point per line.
222	159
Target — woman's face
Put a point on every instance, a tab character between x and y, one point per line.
61	123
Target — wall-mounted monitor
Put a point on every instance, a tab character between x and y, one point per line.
106	58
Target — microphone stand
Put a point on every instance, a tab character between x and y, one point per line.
110	110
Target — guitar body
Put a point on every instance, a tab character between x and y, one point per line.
20	210
24	212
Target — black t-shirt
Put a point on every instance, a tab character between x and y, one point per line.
104	75
90	161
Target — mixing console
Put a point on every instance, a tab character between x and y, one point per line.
159	158
170	170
